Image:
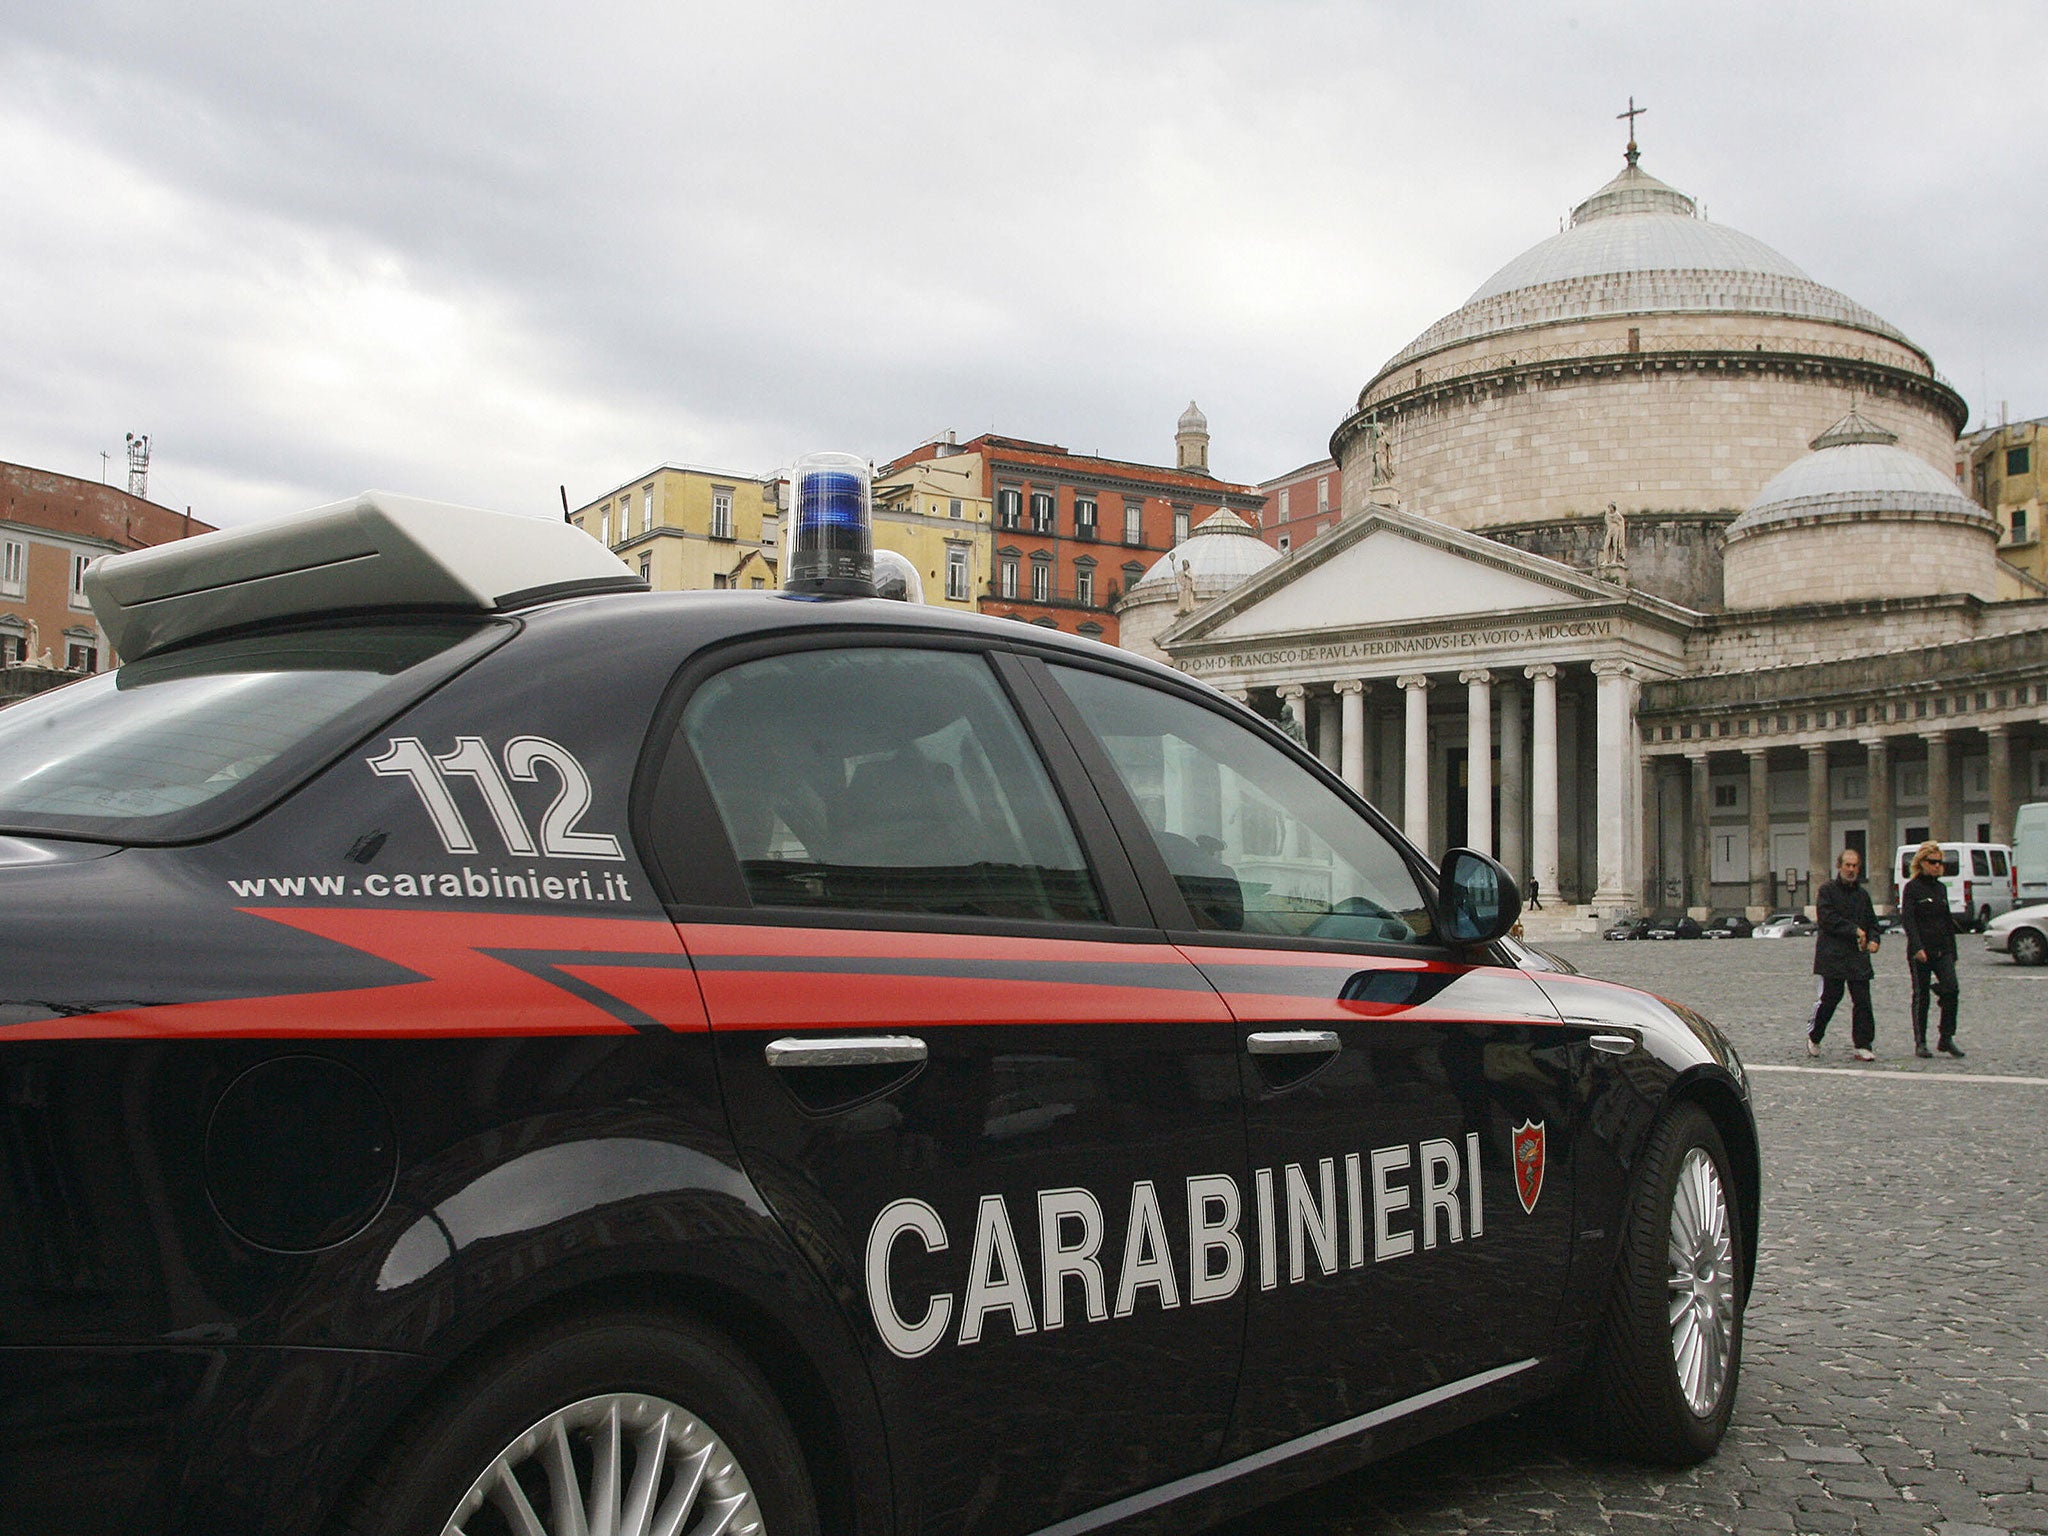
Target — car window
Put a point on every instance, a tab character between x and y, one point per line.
177	745
1256	843
1998	861
885	779
1951	862
1980	866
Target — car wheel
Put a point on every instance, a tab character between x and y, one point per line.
628	1424
1661	1383
2029	947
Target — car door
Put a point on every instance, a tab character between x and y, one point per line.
1408	1104
964	1068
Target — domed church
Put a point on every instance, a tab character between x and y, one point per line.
1653	579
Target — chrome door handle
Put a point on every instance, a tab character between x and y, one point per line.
1613	1045
846	1051
1294	1042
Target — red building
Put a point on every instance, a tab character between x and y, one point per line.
1071	532
51	528
1301	504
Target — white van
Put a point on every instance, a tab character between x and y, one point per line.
2030	851
1980	878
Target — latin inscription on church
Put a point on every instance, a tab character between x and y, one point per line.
1500	637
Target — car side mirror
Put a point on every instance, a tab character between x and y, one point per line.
1477	901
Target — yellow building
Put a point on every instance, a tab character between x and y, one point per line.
688	529
2005	480
933	513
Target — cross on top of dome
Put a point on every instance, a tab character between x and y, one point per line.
1632	153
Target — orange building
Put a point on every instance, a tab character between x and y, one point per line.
51	528
1301	504
1071	532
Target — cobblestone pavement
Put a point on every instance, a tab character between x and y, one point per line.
1895	1376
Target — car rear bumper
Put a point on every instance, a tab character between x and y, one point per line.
187	1438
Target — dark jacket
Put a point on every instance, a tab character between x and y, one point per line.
1923	908
1840	909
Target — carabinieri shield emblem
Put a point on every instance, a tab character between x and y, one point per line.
1529	1163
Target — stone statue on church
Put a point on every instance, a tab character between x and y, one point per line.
1382	455
1614	546
1184	584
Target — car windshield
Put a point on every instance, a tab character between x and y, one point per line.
183	744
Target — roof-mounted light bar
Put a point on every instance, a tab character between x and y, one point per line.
376	551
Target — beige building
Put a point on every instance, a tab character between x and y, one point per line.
934	513
1653	579
688	529
2002	467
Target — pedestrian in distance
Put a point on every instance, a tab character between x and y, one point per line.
1535	895
1930	948
1841	956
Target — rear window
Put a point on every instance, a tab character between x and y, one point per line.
185	744
1980	863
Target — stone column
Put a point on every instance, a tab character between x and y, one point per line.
1699	857
1386	753
1415	769
1514	804
1998	739
1880	878
1820	850
1543	777
1942	817
1351	700
1328	747
1615	760
1759	831
1478	758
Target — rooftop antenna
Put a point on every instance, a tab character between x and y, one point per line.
1633	154
138	465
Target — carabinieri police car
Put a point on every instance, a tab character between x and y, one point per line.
488	1049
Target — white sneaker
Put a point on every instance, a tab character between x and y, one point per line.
1863	1055
1812	1046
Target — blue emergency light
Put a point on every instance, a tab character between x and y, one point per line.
832	546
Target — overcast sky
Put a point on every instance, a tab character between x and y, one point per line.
474	252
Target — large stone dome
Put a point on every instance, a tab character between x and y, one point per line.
1644	357
1858	517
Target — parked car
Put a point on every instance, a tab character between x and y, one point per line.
2021	933
1786	925
1731	925
491	1048
1672	925
1628	926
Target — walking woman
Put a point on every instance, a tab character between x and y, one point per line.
1930	948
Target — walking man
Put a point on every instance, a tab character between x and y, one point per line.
1841	955
1930	948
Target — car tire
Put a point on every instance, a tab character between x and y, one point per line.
1660	1387
2028	946
641	1413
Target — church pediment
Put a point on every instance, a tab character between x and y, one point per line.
1387	568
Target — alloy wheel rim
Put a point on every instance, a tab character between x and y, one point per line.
621	1464
1701	1284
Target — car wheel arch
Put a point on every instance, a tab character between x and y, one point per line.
841	1440
1723	1105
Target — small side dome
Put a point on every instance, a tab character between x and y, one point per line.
1220	552
1858	518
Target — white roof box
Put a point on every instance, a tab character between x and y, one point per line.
377	551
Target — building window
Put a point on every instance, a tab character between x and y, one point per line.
647	509
1286	543
1041	579
1181	519
604	524
2018	461
953	507
1006	576
1042	520
1283	503
2019	525
1323	494
1133	574
647	569
956	574
721	514
1084	517
1084	586
720	581
13	567
78	565
1134	522
79	657
1091	629
1724	797
1009	507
